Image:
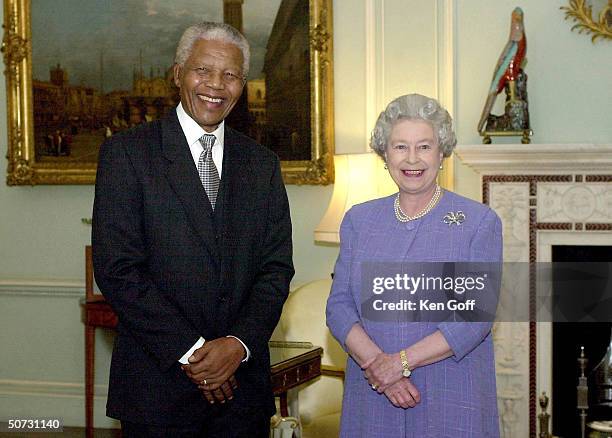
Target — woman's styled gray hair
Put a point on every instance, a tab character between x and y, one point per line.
419	107
212	31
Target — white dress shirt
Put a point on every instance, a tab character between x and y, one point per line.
193	132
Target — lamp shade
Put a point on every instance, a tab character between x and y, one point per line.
358	178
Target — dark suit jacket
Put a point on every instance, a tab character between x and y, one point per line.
173	270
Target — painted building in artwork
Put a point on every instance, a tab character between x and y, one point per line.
150	98
156	85
57	102
71	111
287	82
48	104
240	117
256	89
232	13
62	110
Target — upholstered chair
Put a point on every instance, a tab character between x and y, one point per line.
320	401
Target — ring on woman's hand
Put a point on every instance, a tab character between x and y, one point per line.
374	387
203	382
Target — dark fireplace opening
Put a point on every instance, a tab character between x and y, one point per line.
568	337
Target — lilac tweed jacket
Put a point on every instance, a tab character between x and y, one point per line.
458	394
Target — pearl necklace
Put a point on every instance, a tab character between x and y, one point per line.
403	217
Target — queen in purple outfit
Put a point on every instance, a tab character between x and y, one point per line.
414	379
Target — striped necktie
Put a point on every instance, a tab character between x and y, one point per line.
207	169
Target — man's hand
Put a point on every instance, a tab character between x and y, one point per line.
224	393
214	363
403	394
383	371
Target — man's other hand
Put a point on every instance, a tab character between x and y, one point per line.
215	362
224	393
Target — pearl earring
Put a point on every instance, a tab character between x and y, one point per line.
386	167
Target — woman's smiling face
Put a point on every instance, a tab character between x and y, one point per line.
413	156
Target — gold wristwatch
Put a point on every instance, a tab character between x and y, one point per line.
406	372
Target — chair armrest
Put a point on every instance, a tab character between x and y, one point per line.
327	370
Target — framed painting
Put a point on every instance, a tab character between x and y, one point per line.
79	71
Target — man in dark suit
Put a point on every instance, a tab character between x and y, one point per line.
192	248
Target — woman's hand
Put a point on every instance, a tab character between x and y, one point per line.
383	370
403	394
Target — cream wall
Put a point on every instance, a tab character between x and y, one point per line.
383	48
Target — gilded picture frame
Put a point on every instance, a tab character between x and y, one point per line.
26	166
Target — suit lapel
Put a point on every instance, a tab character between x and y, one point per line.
184	180
234	178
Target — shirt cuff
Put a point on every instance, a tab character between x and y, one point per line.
185	359
246	349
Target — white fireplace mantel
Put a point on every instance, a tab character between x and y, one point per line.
540	158
545	195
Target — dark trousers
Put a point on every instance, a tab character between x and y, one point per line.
230	423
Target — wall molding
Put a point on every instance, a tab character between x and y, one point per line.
374	63
31	398
445	68
65	399
42	288
445	50
45	388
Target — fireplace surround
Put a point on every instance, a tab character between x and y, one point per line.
546	195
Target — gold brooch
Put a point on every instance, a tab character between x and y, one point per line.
454	218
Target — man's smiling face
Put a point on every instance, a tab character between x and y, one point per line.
210	81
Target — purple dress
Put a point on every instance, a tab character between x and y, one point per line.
458	395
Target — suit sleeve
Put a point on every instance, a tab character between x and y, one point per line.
260	313
486	246
341	310
120	261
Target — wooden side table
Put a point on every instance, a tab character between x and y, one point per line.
291	366
95	312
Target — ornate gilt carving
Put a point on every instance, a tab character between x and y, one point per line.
14	46
581	13
20	173
319	169
316	172
319	39
17	140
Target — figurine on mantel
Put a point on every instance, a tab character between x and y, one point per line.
509	76
544	417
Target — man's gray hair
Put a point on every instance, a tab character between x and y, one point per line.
212	31
414	107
